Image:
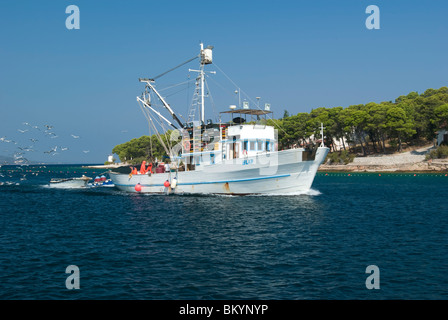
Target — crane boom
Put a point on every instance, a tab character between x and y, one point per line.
166	105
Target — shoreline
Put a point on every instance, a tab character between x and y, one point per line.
409	161
380	169
439	165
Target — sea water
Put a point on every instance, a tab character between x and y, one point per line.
316	245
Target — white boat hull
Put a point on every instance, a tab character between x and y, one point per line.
273	173
70	183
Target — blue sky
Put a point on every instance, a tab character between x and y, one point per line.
296	55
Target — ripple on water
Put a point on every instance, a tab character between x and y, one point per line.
315	245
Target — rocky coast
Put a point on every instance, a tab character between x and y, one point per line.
410	161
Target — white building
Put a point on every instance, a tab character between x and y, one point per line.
442	136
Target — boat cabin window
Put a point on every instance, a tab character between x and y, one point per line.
259	145
252	146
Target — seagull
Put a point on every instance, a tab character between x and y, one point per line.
76	137
52	150
22	131
34	140
63	148
21	160
48	127
3	139
86	151
26	148
26	123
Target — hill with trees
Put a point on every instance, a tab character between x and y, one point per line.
373	127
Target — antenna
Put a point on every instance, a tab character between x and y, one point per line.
322	134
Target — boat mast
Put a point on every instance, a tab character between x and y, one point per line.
202	84
206	58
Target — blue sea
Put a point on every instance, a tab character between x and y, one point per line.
309	246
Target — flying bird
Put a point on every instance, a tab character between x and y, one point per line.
52	151
3	139
51	134
22	131
86	151
76	137
26	148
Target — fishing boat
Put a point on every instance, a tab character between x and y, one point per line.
237	157
69	183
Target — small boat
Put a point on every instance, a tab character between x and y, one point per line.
70	182
102	182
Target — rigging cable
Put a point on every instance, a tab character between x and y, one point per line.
248	96
164	73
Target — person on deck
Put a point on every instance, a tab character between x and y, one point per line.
143	167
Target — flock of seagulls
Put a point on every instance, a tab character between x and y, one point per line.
46	131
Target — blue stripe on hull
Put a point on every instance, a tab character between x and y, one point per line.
209	182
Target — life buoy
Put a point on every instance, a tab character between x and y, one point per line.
187	145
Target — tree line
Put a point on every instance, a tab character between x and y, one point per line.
143	148
373	126
369	128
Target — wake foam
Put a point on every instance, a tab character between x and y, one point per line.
310	192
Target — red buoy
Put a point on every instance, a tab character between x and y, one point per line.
138	187
166	184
